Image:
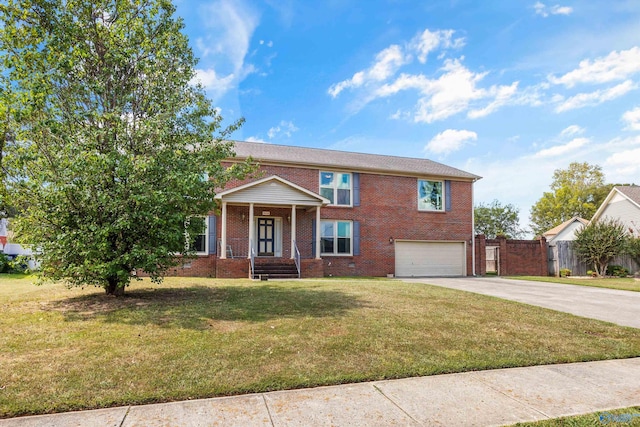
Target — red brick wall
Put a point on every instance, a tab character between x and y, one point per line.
312	268
517	257
388	210
202	266
232	268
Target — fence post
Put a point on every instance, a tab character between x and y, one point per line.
503	265
481	255
544	253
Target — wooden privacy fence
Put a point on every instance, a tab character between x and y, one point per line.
562	255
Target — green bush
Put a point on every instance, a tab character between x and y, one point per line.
617	270
19	264
5	263
565	272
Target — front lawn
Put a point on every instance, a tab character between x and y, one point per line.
192	338
624	284
627	417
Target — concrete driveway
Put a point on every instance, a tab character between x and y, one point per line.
620	307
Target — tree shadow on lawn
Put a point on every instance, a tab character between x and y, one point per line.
201	307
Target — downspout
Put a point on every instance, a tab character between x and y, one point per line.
473	232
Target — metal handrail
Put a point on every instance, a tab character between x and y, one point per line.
297	257
252	251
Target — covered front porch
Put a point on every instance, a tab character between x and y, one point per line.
269	221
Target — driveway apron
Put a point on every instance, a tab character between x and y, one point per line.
610	305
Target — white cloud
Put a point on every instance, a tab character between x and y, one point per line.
256	139
544	10
230	25
625	163
632	118
429	41
563	149
614	67
597	97
284	128
455	90
571	131
501	95
387	62
450	140
212	82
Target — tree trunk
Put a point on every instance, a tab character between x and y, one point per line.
114	287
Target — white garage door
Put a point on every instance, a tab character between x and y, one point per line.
430	259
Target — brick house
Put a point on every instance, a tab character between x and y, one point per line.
332	213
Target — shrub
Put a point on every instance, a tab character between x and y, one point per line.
19	264
617	270
5	263
565	272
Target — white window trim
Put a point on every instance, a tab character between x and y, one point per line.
444	196
335	237
206	237
335	188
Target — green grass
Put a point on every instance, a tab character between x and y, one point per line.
628	417
624	284
67	349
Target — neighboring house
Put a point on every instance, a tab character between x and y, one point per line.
335	213
622	203
565	231
560	254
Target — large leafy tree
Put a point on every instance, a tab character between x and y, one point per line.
575	191
496	219
110	141
600	242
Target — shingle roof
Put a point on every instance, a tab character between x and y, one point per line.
557	229
315	157
631	191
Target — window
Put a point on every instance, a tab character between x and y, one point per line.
196	230
337	187
430	195
336	237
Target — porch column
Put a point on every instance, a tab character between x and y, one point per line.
318	229
252	230
223	237
293	231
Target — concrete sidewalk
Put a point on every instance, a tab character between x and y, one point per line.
483	398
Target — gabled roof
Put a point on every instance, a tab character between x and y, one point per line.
272	190
629	192
558	229
321	158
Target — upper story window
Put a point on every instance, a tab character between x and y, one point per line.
337	187
430	195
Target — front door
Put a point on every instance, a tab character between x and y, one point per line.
266	241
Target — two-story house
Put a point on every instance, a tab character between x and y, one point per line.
335	213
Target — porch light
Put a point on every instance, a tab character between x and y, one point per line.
390	240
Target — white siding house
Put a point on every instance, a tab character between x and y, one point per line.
623	204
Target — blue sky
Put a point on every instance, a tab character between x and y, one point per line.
508	90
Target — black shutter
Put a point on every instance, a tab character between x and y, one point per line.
447	195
